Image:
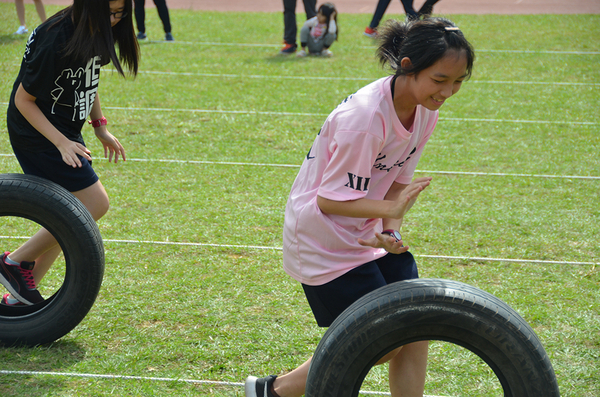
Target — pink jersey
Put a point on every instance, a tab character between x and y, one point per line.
360	151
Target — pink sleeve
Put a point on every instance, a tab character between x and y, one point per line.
348	172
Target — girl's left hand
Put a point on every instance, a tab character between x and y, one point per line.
112	146
386	242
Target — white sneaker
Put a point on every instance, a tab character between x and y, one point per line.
326	53
22	30
301	54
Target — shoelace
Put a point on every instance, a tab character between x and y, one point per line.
28	277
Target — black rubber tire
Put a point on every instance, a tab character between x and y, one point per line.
61	213
430	309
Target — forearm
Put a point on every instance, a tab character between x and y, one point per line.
25	103
397	202
96	112
361	208
385	209
393	194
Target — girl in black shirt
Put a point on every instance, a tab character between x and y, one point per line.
53	95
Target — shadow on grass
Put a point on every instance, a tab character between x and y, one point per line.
280	58
13	38
53	357
50	357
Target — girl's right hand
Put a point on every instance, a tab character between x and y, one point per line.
69	151
409	195
386	242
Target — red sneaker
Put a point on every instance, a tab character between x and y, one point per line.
288	49
371	32
8	301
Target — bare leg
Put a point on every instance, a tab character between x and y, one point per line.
37	248
20	11
43	247
293	384
408	369
39	6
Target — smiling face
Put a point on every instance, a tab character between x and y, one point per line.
116	7
432	86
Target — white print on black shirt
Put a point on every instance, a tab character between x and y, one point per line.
84	85
29	41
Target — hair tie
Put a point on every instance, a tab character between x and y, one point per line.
451	28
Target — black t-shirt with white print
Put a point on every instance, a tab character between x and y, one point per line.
64	89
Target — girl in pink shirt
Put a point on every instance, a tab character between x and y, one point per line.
340	237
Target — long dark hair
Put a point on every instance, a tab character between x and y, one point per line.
424	42
327	9
94	36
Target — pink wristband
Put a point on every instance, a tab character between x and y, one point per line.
99	122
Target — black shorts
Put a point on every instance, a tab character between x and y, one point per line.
50	165
329	300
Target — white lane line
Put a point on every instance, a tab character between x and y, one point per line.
151	379
218	44
301	114
327	78
259	247
471	173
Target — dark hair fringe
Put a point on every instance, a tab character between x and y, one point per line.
423	41
94	36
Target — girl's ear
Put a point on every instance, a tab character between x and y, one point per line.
405	63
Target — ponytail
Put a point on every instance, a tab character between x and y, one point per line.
424	42
391	38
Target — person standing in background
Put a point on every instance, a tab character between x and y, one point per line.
39	6
382	5
163	13
290	29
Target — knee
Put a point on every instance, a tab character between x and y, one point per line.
102	208
99	206
389	356
329	39
415	349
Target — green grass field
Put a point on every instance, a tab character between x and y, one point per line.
215	127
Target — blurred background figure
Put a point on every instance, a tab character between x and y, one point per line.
163	13
39	6
290	29
320	32
382	5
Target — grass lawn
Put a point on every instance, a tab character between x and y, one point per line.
216	126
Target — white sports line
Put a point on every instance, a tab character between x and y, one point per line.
470	173
258	247
329	78
301	114
152	379
373	47
268	248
